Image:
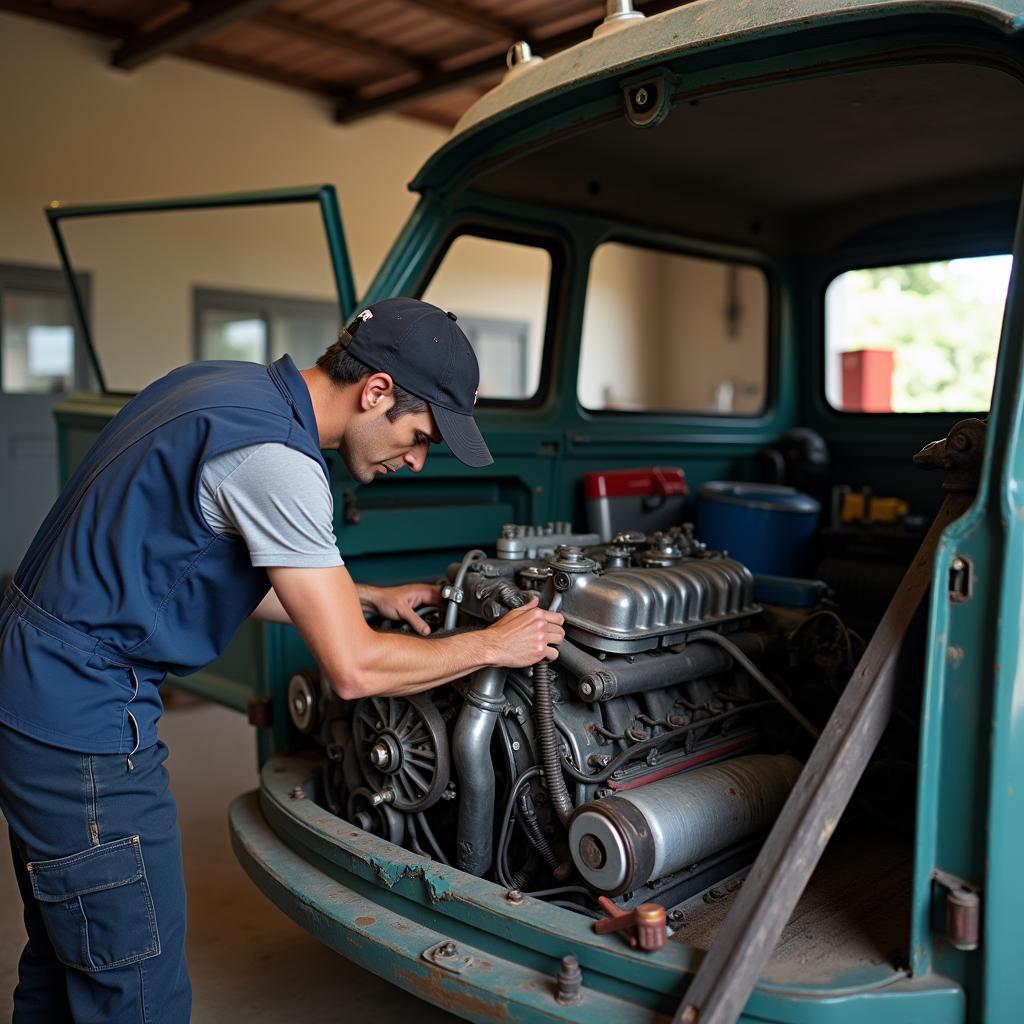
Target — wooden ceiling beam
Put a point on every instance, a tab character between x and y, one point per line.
342	41
202	18
473	18
73	19
352	106
247	67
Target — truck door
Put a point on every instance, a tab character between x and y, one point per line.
245	276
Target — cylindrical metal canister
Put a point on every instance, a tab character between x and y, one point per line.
626	840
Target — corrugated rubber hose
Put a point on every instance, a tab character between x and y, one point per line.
551	758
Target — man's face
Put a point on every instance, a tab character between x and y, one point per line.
375	446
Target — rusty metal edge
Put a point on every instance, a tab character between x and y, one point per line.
533	936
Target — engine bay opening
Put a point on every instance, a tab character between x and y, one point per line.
645	765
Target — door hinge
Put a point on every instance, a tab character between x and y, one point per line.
961	915
260	712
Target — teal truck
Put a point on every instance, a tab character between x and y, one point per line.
752	263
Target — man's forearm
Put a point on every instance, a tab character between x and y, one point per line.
325	607
398	663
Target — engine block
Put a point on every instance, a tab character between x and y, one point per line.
527	776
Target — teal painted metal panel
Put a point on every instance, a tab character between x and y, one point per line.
972	761
383	907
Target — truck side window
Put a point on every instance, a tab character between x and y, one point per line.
499	291
920	337
673	333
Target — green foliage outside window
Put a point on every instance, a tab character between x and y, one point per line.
941	319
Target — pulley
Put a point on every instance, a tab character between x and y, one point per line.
402	745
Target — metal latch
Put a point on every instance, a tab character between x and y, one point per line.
960	579
962	924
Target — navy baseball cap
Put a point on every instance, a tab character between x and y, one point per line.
424	351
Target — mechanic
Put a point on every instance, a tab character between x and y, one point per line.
205	500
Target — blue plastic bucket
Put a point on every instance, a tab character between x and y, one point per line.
767	527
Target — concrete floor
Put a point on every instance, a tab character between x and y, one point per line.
248	961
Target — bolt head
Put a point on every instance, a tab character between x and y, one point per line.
514	896
592	853
380	756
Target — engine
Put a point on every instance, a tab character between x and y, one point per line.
646	763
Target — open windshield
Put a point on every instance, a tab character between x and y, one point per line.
222	278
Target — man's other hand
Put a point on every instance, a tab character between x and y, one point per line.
526	635
400	603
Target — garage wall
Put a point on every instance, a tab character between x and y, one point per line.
77	130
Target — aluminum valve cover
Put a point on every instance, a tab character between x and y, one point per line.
636	609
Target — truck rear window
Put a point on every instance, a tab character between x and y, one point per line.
914	338
666	332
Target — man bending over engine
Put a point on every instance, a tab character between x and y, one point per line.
204	501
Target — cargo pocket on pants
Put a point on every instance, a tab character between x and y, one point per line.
97	906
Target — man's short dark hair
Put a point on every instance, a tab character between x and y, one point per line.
343	368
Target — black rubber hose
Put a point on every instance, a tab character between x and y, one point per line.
742	660
534	831
547	740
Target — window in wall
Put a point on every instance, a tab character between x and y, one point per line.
499	292
261	328
38	340
673	333
920	337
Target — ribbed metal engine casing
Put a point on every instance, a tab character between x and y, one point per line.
636	609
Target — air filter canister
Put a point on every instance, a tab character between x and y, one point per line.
624	841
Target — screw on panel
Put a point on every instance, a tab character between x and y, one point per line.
514	896
569	982
447	949
298	793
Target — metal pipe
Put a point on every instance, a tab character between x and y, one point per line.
761	678
601	680
471	753
451	613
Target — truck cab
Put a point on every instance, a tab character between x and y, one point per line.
728	270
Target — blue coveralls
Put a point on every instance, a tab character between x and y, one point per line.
123	583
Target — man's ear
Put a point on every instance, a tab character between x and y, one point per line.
376	388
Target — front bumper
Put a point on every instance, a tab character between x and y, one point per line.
388	909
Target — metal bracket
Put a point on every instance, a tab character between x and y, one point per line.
962	921
447	956
647	97
259	711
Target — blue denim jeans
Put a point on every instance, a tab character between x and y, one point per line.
97	853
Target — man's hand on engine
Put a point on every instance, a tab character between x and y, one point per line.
526	635
400	603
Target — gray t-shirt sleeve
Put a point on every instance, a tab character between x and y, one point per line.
277	499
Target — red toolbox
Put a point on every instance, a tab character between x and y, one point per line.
645	499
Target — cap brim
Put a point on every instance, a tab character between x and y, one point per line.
463	436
